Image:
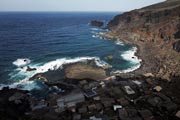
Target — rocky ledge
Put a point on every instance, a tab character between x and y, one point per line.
155	30
83	71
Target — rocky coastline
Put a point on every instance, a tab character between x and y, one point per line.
151	92
154	30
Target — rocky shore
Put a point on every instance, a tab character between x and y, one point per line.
155	31
116	98
87	93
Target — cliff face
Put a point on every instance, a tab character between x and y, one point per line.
156	30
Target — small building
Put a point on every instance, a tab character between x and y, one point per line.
128	114
99	117
129	90
99	106
97	98
70	100
107	102
123	101
82	109
116	107
41	104
90	93
92	107
146	114
76	117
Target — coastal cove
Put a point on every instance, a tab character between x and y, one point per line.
49	41
91	65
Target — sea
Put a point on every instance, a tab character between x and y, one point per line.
49	40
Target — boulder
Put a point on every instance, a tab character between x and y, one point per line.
176	46
178	114
97	23
166	77
158	88
29	69
109	58
148	75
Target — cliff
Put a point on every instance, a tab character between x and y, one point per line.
156	31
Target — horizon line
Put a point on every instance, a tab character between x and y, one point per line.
66	11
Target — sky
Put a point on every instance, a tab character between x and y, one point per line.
74	5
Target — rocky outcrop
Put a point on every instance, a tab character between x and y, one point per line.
109	58
82	71
97	23
155	30
29	69
176	46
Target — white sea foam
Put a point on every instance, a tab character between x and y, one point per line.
118	42
52	65
131	69
56	64
22	62
130	57
95	36
95	29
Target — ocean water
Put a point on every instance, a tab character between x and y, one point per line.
47	41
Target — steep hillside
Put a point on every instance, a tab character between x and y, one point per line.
156	31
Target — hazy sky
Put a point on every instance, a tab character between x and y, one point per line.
73	5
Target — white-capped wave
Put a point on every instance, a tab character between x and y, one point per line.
131	69
95	36
56	64
95	29
118	42
22	62
130	57
52	65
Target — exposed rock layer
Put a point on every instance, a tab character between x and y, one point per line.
155	30
82	71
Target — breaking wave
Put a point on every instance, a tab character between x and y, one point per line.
21	62
132	58
127	55
24	76
119	43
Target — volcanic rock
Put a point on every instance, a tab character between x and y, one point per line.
30	69
109	58
176	46
97	23
82	71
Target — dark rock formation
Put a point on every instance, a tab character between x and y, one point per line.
176	46
110	57
97	23
30	69
13	104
